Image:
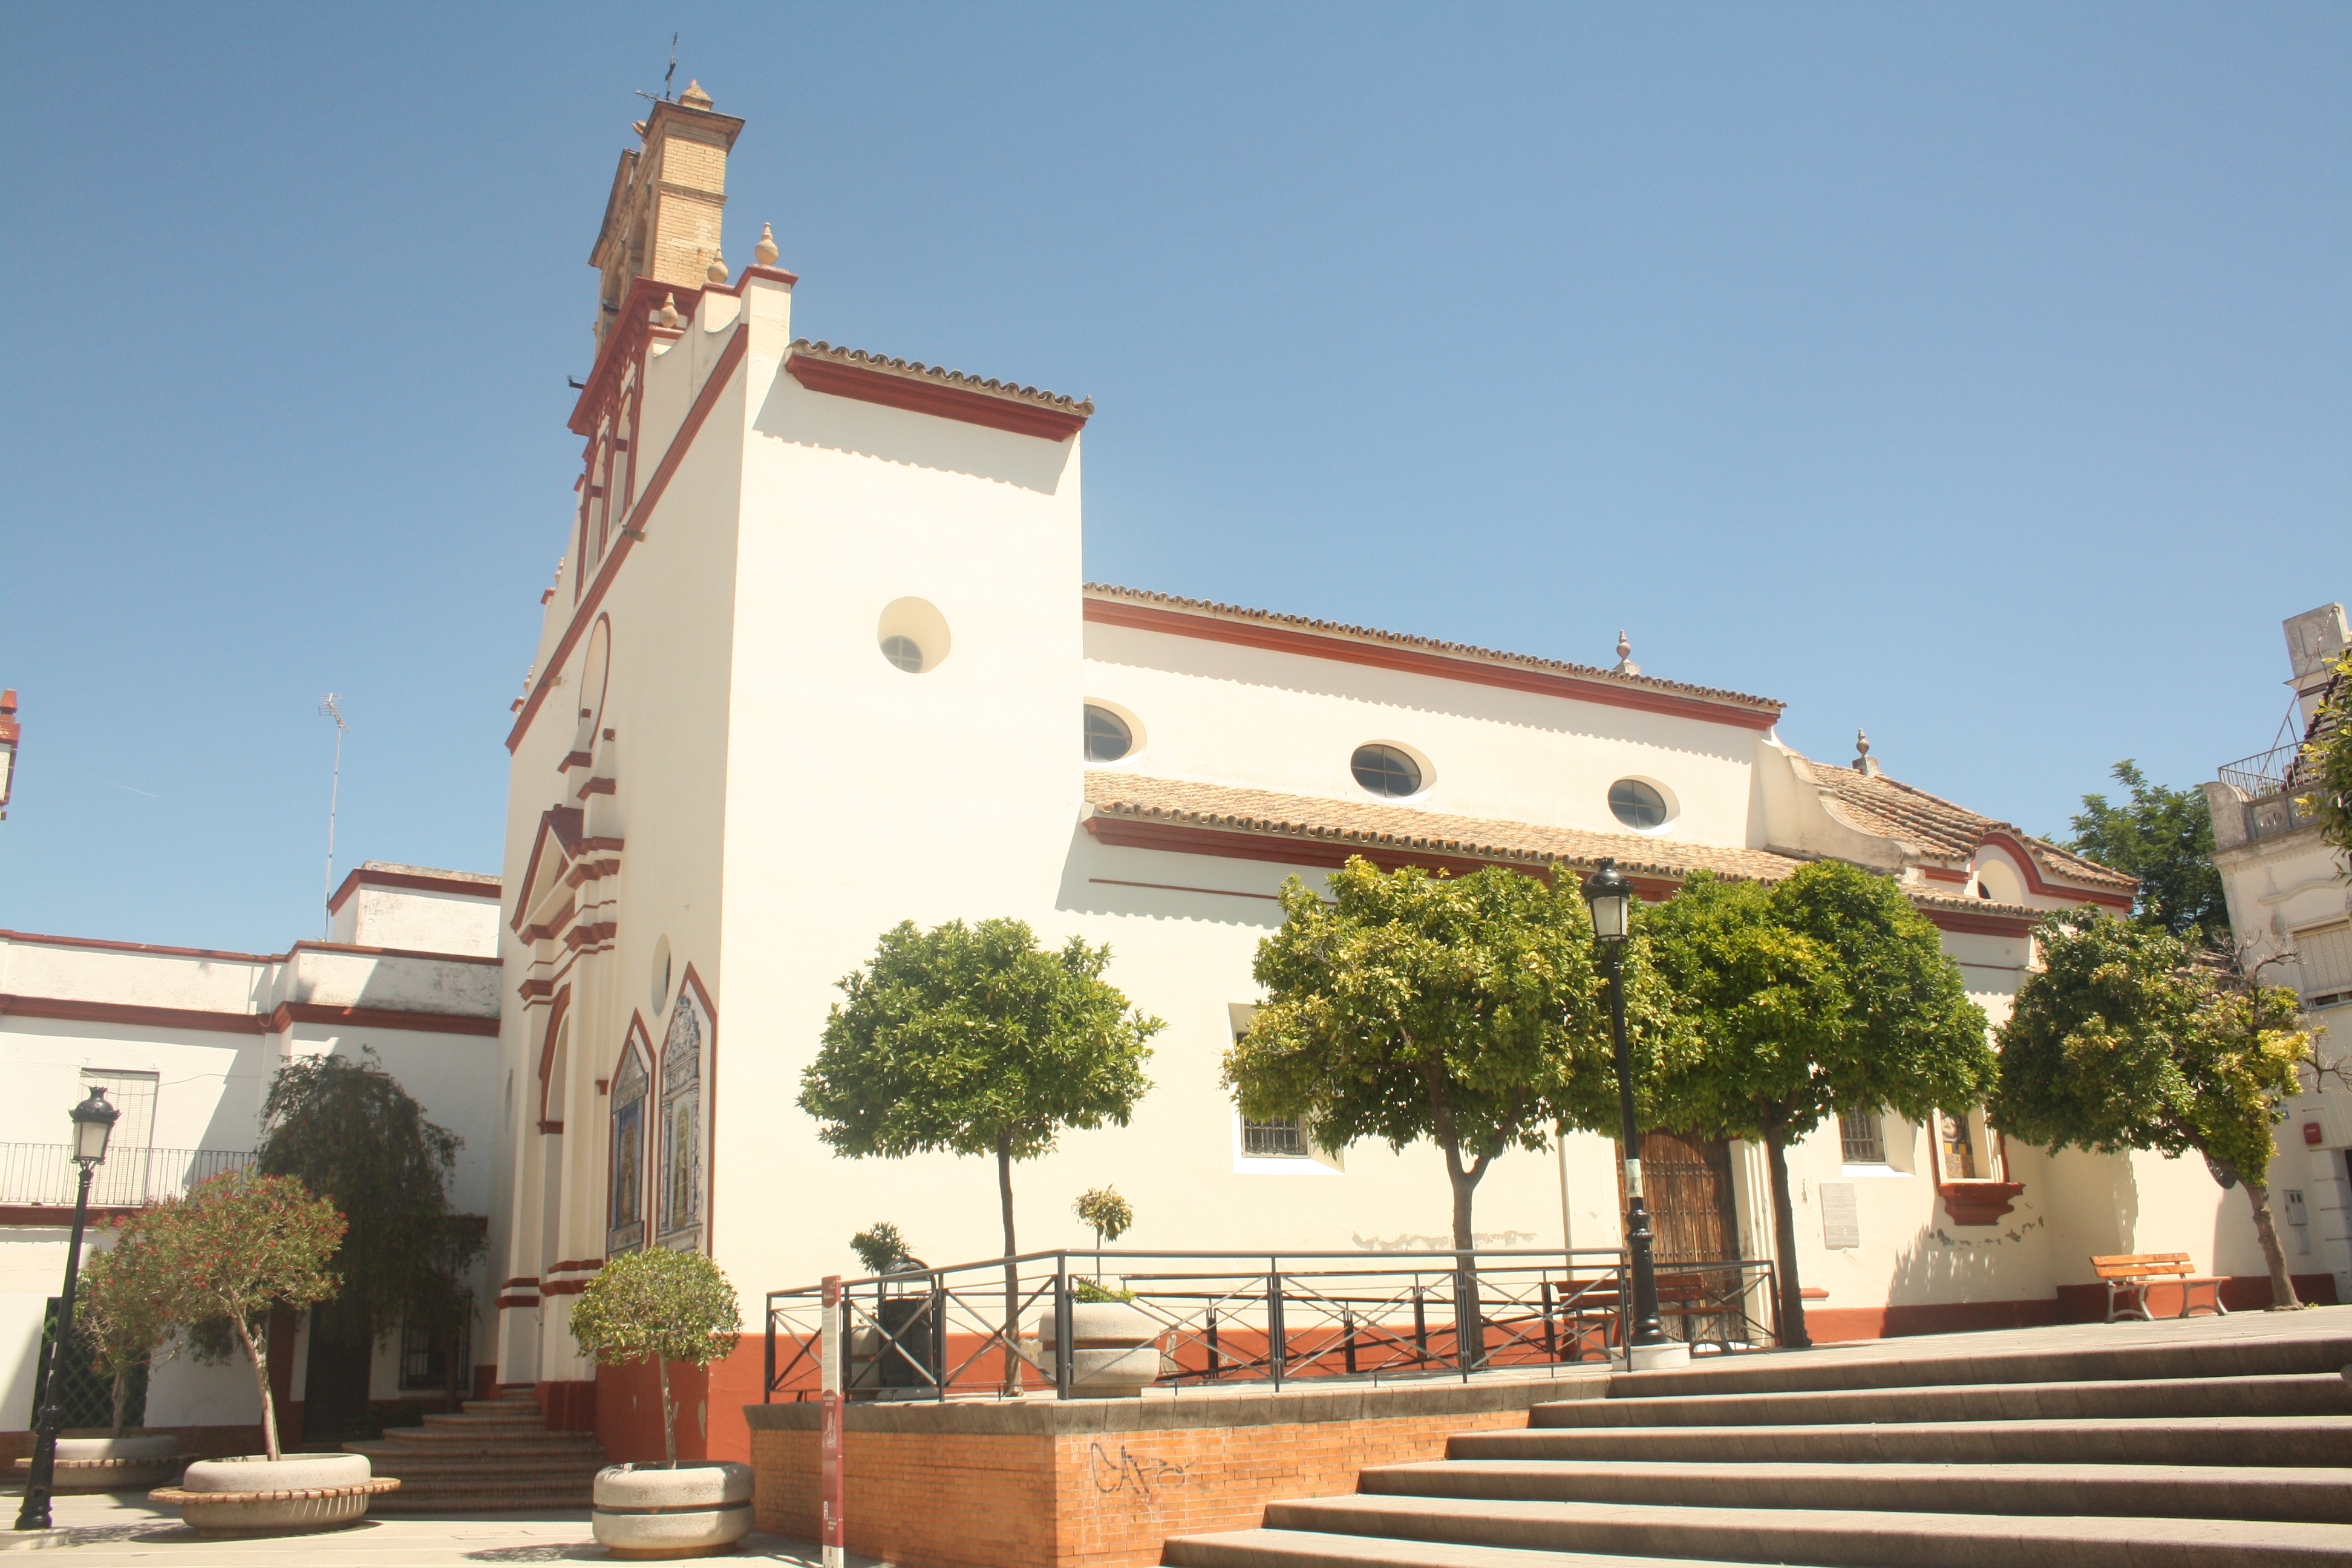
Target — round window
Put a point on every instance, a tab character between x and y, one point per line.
1386	771
904	652
1107	736
1637	804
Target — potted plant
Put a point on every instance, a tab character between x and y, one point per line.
122	1314
1114	1344
237	1245
661	1305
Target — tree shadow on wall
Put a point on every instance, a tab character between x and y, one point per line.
1953	1263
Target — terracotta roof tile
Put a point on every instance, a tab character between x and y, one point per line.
1431	645
1350	822
1883	808
915	369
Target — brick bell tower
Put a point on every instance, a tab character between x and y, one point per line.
668	195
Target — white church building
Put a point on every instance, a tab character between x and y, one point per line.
819	656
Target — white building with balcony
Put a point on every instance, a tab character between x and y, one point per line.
2291	909
184	1041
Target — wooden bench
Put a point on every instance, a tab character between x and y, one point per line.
2131	1275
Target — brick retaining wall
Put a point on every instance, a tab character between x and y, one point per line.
1103	1483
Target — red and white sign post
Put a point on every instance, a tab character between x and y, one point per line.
830	1535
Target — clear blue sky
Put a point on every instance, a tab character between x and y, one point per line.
1977	374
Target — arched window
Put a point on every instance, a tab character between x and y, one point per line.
626	1222
678	1199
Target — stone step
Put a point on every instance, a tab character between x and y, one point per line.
2324	1441
501	1407
488	1466
2147	1492
1992	1362
2176	1398
1823	1537
410	1440
1305	1549
526	1437
483	1420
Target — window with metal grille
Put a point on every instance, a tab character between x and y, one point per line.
1386	771
1861	1138
1277	1140
1107	737
424	1357
2326	953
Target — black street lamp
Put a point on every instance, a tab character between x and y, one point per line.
93	1121
1610	896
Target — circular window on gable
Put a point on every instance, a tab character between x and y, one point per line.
1386	771
904	652
912	635
1637	804
1109	738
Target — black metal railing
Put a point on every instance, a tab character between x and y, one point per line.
1234	1317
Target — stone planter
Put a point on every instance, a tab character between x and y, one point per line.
646	1514
114	1464
1113	1349
256	1495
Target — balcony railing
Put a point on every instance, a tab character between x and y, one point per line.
44	1174
1255	1317
2263	773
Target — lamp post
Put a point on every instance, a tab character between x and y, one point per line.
94	1123
1609	895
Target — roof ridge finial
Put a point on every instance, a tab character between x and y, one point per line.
1625	665
667	315
716	270
765	253
1863	762
694	97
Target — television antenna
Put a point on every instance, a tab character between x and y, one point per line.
667	76
330	707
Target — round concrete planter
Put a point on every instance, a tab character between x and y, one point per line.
647	1514
113	1464
1113	1349
256	1495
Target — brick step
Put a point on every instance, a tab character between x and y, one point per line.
548	1446
1993	1364
486	1436
520	1420
2218	1440
1823	1537
529	1408
1305	1549
2145	1491
2178	1398
489	1467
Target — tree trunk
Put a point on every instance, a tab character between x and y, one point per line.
2283	1296
668	1413
259	1357
121	1397
1012	1269
1791	1294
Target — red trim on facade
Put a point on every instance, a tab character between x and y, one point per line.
594	787
554	1126
567	827
505	1301
573	760
79	1011
722	372
1978	1202
2035	882
1411	661
1129	832
1978	925
590	935
1942	874
917	396
531	990
59	1213
365	877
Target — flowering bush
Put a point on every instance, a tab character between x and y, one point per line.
659	1306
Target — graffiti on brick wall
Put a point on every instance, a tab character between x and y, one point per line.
1138	1475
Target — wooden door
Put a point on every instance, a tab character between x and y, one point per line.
1686	1181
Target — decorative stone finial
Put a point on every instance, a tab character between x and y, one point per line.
1625	665
667	315
1863	762
765	253
694	97
716	270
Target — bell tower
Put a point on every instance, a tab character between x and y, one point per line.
668	195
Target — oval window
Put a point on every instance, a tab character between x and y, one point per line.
904	652
1107	736
1637	804
1386	771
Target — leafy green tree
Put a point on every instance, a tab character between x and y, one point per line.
2118	1043
348	1130
974	1040
658	1306
1104	1212
1467	1010
240	1244
2324	766
123	1309
2165	838
881	1248
1825	992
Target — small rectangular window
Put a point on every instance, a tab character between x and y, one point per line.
1861	1138
424	1359
1274	1140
